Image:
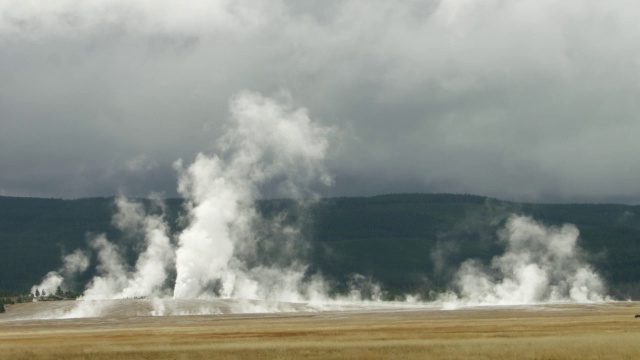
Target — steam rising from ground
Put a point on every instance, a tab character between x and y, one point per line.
270	143
148	277
541	264
72	264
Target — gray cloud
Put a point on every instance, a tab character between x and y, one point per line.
528	99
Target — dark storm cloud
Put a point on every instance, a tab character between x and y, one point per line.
526	99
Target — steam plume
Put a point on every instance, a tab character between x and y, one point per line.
72	265
147	278
540	264
269	141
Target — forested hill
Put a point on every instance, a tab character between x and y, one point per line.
405	241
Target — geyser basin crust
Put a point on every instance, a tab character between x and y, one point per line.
128	308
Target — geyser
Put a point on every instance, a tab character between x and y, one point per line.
270	143
268	140
540	264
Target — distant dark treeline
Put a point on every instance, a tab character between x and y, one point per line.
408	242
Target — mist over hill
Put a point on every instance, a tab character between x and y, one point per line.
404	242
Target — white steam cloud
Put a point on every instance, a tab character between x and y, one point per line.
541	264
269	141
147	278
272	144
72	265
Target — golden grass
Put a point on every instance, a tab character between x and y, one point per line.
607	331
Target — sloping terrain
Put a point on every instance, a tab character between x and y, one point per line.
407	242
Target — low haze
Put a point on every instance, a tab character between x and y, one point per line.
523	100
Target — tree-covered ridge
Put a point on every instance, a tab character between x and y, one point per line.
405	241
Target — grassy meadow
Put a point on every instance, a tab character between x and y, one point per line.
604	331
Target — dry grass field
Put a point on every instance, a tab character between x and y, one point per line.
604	331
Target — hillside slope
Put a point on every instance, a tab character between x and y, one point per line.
405	241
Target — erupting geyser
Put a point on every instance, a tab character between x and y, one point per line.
541	264
268	140
270	143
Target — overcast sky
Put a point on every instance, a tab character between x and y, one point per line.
535	100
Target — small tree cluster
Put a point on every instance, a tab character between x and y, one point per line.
72	294
7	300
59	294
